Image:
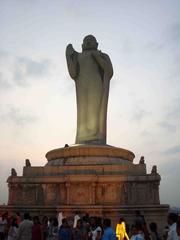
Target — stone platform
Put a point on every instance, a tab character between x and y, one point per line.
89	154
101	180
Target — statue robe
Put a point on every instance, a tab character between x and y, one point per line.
92	90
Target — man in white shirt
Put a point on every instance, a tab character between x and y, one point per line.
172	234
76	218
25	228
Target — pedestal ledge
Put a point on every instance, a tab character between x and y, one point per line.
90	151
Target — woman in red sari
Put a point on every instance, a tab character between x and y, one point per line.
36	229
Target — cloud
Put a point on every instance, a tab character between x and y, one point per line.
139	115
167	126
21	71
174	109
168	40
173	150
175	32
14	115
4	84
25	68
169	171
146	134
155	46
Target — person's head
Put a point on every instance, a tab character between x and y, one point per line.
64	223
178	227
5	215
36	220
86	215
134	230
45	220
77	212
98	221
121	220
172	218
106	222
26	216
93	221
79	223
55	222
89	43
137	212
14	222
153	227
17	214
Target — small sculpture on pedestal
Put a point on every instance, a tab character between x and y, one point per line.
141	161
154	170
13	172
27	162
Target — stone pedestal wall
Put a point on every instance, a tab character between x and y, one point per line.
78	189
105	182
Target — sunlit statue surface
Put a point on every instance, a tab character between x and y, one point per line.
92	71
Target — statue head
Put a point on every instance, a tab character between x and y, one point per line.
89	43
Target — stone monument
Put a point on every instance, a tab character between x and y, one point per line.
90	176
91	71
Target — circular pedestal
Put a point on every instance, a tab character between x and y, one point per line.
89	154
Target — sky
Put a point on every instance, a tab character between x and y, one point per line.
37	95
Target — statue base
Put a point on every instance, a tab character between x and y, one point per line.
89	155
101	180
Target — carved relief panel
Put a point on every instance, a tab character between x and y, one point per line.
79	193
52	194
110	193
62	194
29	194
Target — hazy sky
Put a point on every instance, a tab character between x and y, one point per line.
37	96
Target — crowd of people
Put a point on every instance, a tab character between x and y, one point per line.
84	228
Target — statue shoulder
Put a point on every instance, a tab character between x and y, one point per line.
105	56
108	65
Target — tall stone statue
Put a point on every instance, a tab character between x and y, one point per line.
92	71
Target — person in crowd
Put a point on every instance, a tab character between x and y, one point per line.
139	221
86	223
121	233
64	231
55	229
109	233
153	231
178	227
76	218
13	230
45	228
3	224
60	218
172	234
25	228
18	217
36	229
165	233
87	226
86	218
136	233
50	228
79	232
140	224
95	229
